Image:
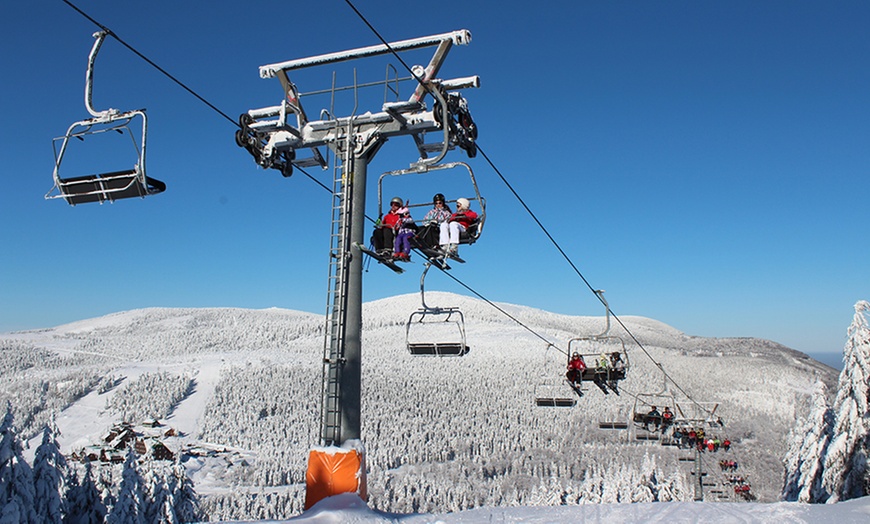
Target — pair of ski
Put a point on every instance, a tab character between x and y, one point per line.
603	386
436	257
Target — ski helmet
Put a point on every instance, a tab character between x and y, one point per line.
438	198
396	200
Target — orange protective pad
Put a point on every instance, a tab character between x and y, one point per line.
333	473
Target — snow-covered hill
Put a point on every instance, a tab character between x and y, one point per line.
442	434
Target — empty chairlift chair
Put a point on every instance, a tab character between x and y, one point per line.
435	331
109	185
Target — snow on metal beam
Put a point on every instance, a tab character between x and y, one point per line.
460	37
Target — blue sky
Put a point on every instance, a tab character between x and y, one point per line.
704	163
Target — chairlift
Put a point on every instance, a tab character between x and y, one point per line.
448	322
103	186
554	394
648	408
613	423
467	237
605	356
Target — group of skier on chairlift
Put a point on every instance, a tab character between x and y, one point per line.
437	237
658	420
605	372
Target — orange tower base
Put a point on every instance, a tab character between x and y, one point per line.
332	471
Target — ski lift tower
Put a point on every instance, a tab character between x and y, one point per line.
282	136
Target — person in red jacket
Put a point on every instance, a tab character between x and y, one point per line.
667	417
458	222
384	237
576	367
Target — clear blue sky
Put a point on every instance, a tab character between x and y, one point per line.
704	163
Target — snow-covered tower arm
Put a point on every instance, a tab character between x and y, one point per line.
274	139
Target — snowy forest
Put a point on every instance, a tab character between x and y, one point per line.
240	390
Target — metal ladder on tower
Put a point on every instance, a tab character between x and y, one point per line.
339	261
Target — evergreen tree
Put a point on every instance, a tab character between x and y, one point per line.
131	504
49	469
845	471
16	477
804	462
184	495
161	499
83	502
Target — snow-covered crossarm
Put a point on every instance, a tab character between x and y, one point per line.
460	37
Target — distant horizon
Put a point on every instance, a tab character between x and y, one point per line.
833	359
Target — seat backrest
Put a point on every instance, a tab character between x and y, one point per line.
469	236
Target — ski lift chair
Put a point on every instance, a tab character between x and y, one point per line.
105	186
473	232
555	396
608	376
436	319
644	402
618	422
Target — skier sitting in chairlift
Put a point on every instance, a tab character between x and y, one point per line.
667	417
405	228
602	372
383	238
455	226
576	367
616	361
427	236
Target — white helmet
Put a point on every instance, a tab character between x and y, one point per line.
462	203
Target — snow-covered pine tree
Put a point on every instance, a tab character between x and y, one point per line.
49	470
805	458
104	482
846	472
161	501
646	488
184	495
83	503
131	504
16	477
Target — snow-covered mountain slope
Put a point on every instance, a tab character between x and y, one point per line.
442	434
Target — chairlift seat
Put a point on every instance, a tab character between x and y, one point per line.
471	233
592	374
449	349
556	402
612	424
111	186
